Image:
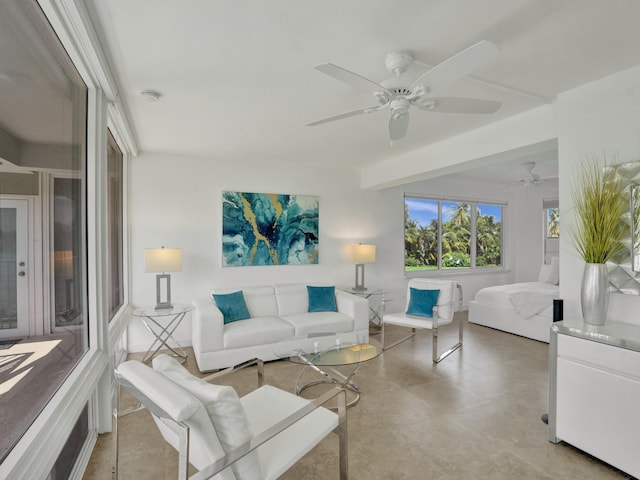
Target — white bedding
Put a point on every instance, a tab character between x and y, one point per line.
527	298
494	307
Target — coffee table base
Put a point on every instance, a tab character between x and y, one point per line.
335	378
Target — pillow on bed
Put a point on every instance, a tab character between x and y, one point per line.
550	273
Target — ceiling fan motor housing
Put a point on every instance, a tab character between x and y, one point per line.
398	62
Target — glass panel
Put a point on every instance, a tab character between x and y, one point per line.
68	251
456	235
488	235
553	222
114	225
43	125
73	446
420	234
8	269
635	227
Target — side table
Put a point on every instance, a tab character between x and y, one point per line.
375	306
171	318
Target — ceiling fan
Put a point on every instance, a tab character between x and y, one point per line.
399	93
531	179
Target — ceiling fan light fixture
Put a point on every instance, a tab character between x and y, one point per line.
151	95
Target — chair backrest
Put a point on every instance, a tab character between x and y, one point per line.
447	298
224	410
168	402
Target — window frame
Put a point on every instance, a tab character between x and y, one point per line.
473	205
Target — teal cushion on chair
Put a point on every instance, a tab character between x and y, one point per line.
232	306
322	299
421	302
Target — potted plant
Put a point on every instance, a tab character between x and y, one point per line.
600	201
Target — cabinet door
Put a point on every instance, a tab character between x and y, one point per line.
598	407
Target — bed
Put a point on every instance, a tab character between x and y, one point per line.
524	309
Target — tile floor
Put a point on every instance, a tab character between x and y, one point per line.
476	415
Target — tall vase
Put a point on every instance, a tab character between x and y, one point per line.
594	296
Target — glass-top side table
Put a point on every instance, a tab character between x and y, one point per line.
162	323
375	305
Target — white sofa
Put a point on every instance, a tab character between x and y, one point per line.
279	320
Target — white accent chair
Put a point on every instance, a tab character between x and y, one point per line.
259	436
449	301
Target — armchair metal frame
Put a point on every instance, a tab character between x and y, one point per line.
436	358
182	430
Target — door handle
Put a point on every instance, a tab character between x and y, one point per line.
21	274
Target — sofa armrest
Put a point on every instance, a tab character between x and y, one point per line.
354	306
207	326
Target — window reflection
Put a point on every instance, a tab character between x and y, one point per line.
43	279
635	227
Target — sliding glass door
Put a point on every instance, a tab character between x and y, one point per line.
14	272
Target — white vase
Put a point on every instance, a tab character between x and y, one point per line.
594	296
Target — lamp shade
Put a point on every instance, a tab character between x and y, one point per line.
160	260
362	253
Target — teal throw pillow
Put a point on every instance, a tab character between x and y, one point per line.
232	306
322	299
421	302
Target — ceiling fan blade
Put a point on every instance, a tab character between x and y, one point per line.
458	105
345	115
351	78
398	125
458	66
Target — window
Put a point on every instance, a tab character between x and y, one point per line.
551	214
43	217
553	222
114	226
449	234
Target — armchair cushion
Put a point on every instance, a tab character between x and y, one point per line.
322	299
224	409
421	302
232	306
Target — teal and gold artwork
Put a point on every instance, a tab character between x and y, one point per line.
269	229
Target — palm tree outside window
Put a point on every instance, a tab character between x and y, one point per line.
452	234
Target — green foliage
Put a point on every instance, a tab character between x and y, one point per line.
421	242
600	202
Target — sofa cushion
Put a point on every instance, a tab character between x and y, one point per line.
257	331
322	299
232	306
319	322
260	300
292	298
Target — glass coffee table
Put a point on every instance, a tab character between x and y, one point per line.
323	352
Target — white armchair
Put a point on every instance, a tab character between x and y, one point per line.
433	304
258	436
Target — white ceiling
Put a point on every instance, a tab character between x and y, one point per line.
237	77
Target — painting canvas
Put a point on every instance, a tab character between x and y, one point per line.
269	229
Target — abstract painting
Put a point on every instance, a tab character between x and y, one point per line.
269	229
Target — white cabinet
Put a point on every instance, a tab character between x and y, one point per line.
594	391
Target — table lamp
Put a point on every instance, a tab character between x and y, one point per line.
163	260
360	254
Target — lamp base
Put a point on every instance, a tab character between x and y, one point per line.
359	278
165	279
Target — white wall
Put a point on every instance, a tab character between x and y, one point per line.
176	202
528	230
603	116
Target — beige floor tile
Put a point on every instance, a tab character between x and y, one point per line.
475	416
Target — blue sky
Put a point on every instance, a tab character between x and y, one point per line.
425	210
